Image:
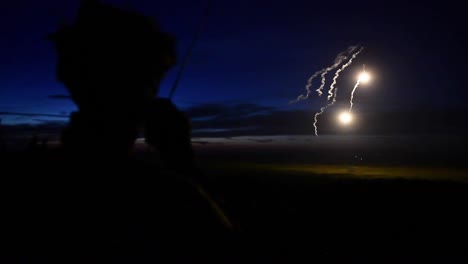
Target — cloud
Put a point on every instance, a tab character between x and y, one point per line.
203	143
247	119
225	120
261	140
43	128
252	120
222	111
31	114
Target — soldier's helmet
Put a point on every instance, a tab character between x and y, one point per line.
111	56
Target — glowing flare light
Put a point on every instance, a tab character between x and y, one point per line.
345	118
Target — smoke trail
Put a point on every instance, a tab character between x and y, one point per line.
337	74
332	92
322	110
352	95
307	87
323	72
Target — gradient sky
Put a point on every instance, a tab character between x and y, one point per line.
261	52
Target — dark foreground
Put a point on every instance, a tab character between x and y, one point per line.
289	209
296	218
403	203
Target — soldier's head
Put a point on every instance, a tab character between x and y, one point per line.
112	59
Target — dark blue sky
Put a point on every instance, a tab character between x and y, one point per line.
261	52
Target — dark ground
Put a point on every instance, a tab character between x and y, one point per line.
305	201
310	215
394	221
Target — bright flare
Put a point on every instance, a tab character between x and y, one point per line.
345	118
364	77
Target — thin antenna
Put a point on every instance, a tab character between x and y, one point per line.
187	55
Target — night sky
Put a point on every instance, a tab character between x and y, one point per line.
255	56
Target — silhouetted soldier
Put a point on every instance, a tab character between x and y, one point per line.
111	61
101	204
